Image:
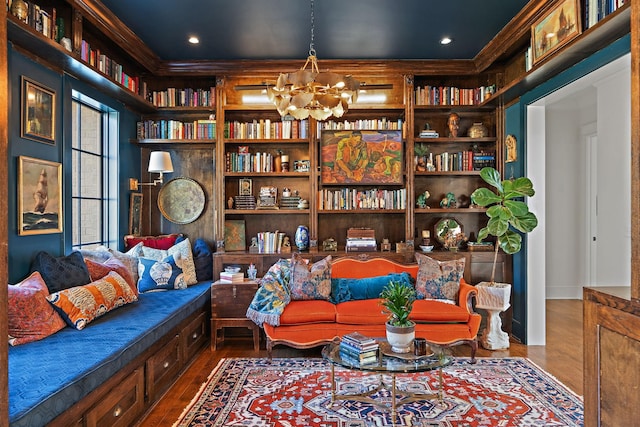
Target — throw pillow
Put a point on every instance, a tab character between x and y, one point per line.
370	287
30	316
203	260
100	254
163	241
438	279
310	282
185	261
129	259
81	305
61	272
98	270
160	275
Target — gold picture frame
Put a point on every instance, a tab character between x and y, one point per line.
38	112
39	196
558	27
135	214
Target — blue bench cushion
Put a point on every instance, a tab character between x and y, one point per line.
49	376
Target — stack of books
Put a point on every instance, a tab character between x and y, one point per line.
359	349
226	277
429	133
361	240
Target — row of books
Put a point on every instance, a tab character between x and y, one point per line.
270	242
249	162
461	161
364	124
174	129
45	21
266	129
173	97
353	198
359	349
109	67
595	10
451	95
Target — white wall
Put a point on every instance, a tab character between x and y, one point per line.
557	251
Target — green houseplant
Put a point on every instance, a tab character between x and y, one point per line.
507	215
397	301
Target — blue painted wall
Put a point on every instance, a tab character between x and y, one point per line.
23	248
515	118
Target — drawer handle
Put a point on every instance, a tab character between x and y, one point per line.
166	365
234	292
195	335
117	412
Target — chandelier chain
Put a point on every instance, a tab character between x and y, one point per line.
312	49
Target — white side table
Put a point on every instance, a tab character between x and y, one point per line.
495	299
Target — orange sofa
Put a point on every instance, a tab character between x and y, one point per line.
310	323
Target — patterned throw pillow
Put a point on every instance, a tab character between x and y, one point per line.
160	275
438	279
185	262
310	281
61	272
129	259
365	288
100	254
98	270
81	305
30	315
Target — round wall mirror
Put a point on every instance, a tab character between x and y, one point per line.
181	200
447	231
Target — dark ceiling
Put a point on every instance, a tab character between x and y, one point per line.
344	29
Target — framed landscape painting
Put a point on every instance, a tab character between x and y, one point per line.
361	157
556	28
39	196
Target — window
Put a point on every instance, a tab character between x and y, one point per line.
94	172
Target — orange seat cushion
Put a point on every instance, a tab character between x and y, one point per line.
308	311
360	312
437	311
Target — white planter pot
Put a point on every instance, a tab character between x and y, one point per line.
494	297
400	338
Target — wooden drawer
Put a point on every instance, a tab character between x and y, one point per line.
122	405
231	300
162	368
194	336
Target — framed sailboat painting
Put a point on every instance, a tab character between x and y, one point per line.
39	196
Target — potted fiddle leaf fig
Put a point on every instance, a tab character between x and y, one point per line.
508	216
397	301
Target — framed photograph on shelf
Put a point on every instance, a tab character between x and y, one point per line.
39	196
245	187
234	235
135	214
559	26
38	112
361	157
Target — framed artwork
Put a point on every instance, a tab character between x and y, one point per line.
135	214
38	112
234	235
246	187
556	28
361	157
39	196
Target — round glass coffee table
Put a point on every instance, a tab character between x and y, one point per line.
389	364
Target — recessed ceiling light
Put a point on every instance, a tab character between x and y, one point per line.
445	40
194	40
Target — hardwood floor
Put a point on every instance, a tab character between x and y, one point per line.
561	357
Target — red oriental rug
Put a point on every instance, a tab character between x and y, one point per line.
297	392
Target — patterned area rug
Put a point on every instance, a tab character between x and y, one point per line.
297	392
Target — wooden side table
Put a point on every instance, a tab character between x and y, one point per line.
495	299
229	303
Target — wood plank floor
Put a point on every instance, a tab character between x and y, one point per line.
561	357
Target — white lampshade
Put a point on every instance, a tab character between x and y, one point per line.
160	161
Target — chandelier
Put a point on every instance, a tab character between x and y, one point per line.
308	92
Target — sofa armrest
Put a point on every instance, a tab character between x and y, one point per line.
466	295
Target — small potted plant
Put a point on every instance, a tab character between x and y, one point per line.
397	301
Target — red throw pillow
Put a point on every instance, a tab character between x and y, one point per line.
164	241
99	270
30	315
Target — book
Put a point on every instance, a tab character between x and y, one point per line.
358	361
359	341
357	353
226	277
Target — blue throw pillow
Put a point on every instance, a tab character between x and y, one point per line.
63	272
203	260
370	287
160	275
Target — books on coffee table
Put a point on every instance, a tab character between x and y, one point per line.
358	348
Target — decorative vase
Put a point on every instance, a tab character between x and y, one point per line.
478	130
302	237
400	337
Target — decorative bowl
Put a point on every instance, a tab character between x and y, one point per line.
232	269
426	248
